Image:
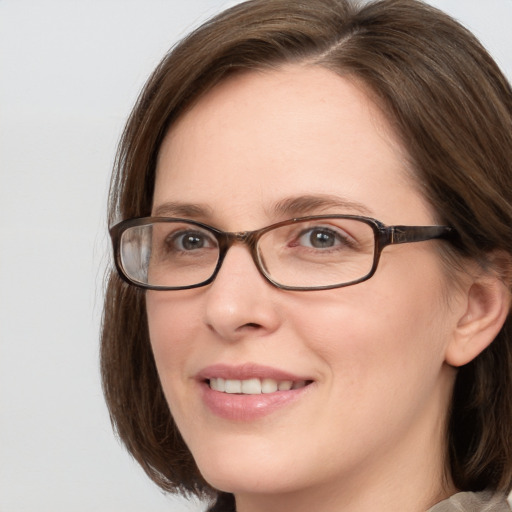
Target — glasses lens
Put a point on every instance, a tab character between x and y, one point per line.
318	252
170	254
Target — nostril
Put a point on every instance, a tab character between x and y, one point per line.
251	325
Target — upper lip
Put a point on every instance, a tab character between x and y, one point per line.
246	371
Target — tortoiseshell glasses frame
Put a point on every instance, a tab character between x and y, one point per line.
316	252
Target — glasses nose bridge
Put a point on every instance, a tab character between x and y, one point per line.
240	236
247	238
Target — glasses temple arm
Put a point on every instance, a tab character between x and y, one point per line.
407	234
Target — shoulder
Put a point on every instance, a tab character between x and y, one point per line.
485	501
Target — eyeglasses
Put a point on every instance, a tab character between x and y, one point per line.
308	253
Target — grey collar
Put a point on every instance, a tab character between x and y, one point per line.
485	501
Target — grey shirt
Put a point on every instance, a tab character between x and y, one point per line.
473	502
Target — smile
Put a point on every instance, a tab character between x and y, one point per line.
254	386
250	391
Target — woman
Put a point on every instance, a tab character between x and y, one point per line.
312	306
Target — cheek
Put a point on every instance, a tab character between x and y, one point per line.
172	325
384	333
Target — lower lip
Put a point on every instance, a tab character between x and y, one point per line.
248	407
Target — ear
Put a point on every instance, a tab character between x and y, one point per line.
487	305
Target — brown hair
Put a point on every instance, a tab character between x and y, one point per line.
451	106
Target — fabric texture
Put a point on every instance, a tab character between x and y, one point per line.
486	501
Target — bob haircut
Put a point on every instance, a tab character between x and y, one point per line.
452	108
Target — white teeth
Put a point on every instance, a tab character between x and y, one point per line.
233	386
253	386
269	386
285	385
218	384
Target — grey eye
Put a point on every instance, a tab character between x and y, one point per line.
190	241
320	238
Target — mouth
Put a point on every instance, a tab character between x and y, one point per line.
254	386
250	391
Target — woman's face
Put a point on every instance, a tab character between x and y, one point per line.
256	150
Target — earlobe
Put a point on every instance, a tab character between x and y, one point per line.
487	307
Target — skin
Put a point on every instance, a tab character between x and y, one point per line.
370	430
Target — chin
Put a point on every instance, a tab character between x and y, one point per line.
250	481
249	469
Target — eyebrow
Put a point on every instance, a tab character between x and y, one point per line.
177	209
316	203
297	206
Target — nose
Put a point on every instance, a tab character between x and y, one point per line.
240	302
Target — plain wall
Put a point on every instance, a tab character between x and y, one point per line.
70	71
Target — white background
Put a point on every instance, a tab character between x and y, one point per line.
70	71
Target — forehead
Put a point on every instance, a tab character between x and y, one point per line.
260	137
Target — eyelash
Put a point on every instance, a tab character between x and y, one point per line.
174	241
343	239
